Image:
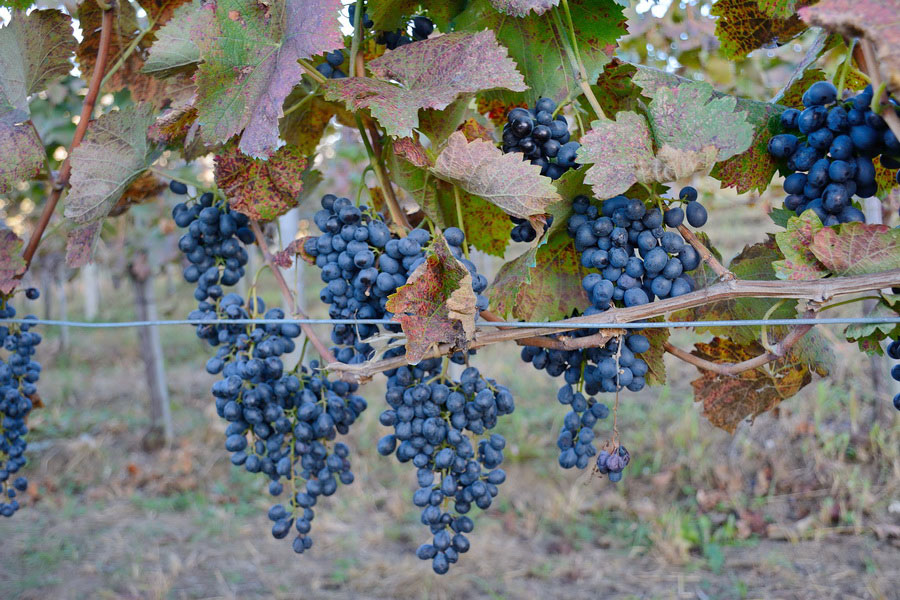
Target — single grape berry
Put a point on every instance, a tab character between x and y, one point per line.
32	293
178	187
696	214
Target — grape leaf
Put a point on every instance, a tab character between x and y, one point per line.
654	357
874	19
805	73
544	283
799	262
389	15
482	169
742	27
431	73
249	52
781	216
487	227
869	335
521	8
617	89
11	262
260	189
538	47
857	248
437	304
437	125
885	178
80	243
113	154
753	168
728	400
304	127
778	8
616	148
35	51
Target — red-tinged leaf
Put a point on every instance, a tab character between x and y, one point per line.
799	262
486	225
544	283
437	304
496	109
260	189
11	262
22	151
474	130
80	244
113	154
857	248
521	8
729	400
432	73
616	149
505	180
539	48
412	151
874	19
616	89
742	27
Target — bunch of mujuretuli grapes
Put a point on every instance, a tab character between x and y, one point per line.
893	350
541	138
331	67
434	419
419	28
280	423
19	374
362	263
829	151
635	261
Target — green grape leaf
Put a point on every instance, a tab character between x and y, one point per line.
857	248
870	335
781	216
505	180
390	15
617	149
260	189
437	304
755	167
781	9
617	89
521	8
432	74
742	27
11	262
799	262
80	243
539	47
178	44
113	154
874	19
728	400
655	356
544	283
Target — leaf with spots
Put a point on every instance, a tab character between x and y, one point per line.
874	19
437	304
617	90
799	262
654	357
505	180
857	248
729	400
616	149
178	44
521	8
885	178
432	74
870	335
113	154
742	27
80	243
778	8
11	262
22	151
539	47
755	167
544	283
260	189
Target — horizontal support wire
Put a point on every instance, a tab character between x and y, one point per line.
502	324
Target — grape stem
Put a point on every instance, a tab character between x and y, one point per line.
357	37
571	47
459	220
817	290
780	350
90	99
375	160
871	68
287	295
707	256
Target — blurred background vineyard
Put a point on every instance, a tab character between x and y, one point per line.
803	503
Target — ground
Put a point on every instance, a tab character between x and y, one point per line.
802	504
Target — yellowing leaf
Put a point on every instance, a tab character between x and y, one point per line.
261	189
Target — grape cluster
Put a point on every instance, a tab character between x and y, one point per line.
613	463
433	417
893	351
330	69
280	423
421	28
828	151
19	373
362	263
522	230
541	138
